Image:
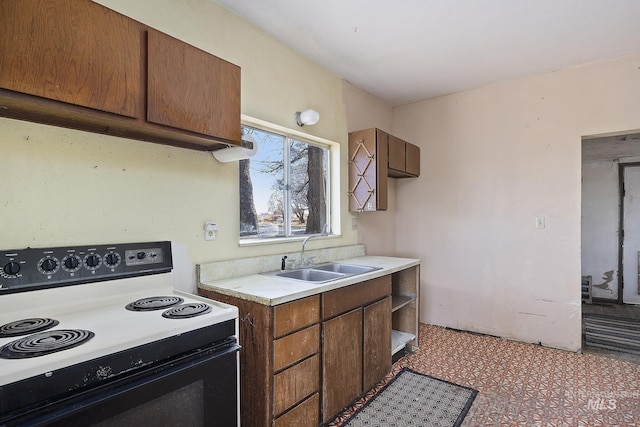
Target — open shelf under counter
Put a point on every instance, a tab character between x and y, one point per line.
399	340
399	301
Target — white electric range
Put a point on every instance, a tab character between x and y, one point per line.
98	333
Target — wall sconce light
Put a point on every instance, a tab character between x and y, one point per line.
307	117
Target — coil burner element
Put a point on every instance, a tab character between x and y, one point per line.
153	303
184	311
26	327
43	343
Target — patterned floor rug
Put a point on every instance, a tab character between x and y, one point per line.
612	333
415	399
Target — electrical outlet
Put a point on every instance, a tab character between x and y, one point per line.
540	223
354	223
210	230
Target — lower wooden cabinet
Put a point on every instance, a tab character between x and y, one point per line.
356	335
302	362
279	361
341	362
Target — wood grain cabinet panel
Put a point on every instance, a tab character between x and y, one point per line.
341	362
377	342
306	414
343	299
294	384
368	170
76	52
412	159
296	315
295	347
191	89
397	151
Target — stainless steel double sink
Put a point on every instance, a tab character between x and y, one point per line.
322	273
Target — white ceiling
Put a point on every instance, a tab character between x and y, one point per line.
409	50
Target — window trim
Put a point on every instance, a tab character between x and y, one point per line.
333	177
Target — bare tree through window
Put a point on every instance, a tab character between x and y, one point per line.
283	190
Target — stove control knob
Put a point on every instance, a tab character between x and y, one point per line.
92	261
141	255
11	268
71	263
48	265
112	259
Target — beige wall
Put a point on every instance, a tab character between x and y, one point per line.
376	230
494	159
68	187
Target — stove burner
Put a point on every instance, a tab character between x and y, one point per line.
26	327
184	311
153	303
44	343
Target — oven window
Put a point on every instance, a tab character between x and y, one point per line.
183	406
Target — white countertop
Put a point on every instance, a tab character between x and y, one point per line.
274	290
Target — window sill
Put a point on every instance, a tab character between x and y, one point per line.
282	240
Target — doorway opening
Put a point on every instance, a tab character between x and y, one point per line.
611	217
610	249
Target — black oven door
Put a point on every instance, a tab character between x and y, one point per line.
199	389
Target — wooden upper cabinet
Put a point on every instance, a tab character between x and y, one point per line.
72	51
397	159
375	155
412	166
80	65
368	170
404	158
191	89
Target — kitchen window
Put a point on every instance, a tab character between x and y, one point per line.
284	188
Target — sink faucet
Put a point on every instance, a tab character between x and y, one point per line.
301	261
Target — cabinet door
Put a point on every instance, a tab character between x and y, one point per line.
397	158
367	170
377	342
74	51
382	139
412	159
191	89
341	362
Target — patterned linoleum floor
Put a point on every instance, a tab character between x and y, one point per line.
525	384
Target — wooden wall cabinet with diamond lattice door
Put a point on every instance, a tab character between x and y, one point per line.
375	155
368	170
